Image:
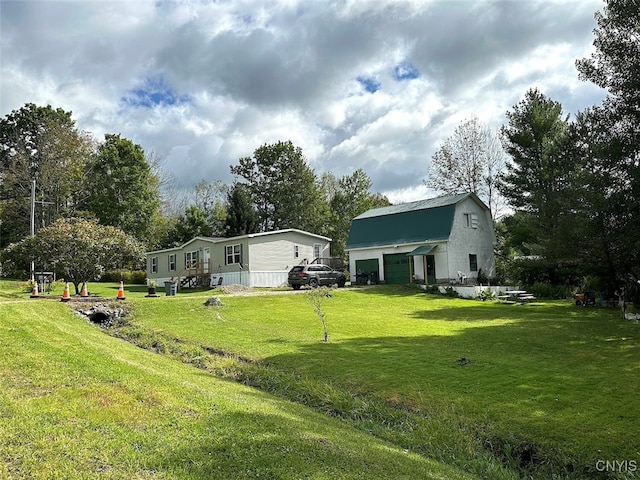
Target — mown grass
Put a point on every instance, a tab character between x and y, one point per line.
549	388
76	403
504	391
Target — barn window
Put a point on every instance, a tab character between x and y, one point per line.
471	220
473	262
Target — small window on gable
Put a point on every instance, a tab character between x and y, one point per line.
471	220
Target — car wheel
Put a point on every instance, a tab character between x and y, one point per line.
296	287
341	282
313	282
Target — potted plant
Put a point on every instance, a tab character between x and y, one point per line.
151	288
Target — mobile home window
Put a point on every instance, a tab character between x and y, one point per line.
473	262
296	251
233	254
191	259
172	262
154	264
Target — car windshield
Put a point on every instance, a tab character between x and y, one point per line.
298	268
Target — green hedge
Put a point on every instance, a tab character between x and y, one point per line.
136	277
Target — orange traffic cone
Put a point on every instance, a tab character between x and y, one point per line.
34	290
83	292
121	292
65	294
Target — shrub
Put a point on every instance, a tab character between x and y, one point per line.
486	295
547	290
25	286
136	277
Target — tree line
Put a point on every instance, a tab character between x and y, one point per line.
571	185
51	169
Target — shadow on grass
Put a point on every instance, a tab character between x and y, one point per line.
386	290
548	388
562	380
257	445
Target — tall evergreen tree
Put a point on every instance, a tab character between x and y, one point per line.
610	144
540	179
348	197
242	217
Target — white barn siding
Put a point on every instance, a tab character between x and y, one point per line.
440	254
478	239
441	257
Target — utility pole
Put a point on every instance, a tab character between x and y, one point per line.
33	224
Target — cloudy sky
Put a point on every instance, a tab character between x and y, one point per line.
373	84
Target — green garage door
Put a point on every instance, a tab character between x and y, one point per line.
365	269
396	269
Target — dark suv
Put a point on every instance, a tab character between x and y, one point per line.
314	275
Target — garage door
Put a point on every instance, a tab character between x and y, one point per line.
365	269
396	269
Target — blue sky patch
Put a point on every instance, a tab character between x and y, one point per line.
370	84
155	92
405	71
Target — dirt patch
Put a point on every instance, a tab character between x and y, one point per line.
236	288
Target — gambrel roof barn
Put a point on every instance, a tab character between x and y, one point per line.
428	241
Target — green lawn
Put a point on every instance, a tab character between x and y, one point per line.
550	384
76	403
546	389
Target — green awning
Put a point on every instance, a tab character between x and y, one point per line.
423	250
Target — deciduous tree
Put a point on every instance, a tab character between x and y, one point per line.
284	188
471	160
40	144
79	250
123	190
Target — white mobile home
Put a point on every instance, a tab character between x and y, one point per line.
254	260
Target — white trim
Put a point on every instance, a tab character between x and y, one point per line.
217	240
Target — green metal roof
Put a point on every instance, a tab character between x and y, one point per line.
423	221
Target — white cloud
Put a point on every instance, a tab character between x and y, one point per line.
205	83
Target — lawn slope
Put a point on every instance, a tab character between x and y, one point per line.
548	389
77	403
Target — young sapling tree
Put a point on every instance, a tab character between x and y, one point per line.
317	296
